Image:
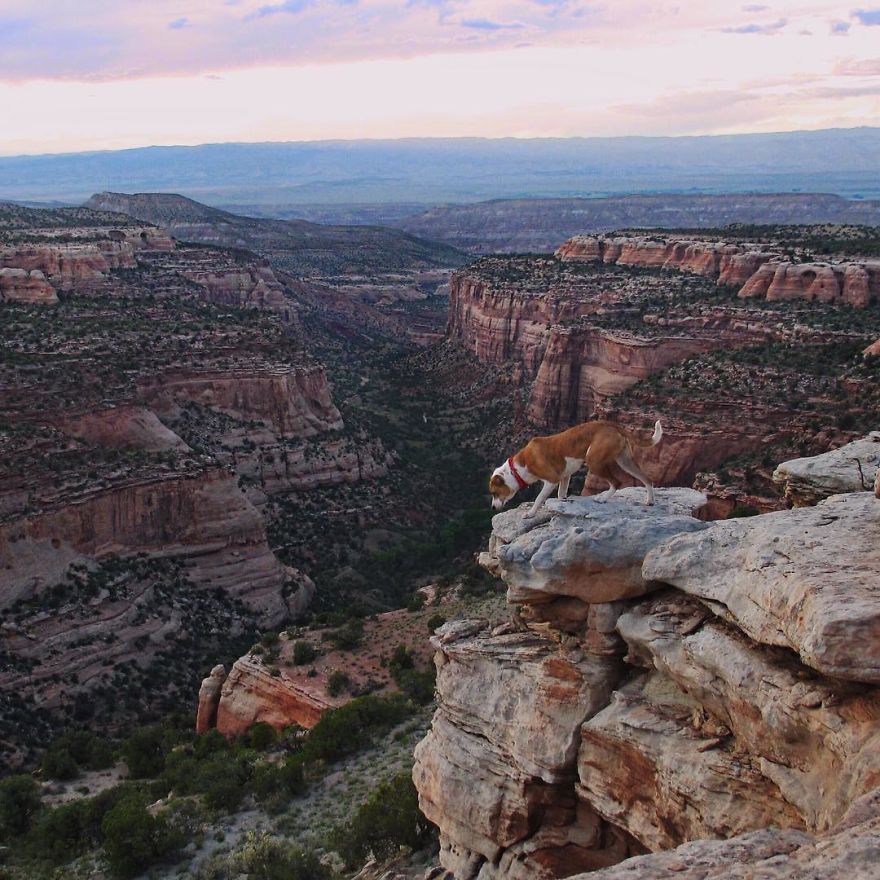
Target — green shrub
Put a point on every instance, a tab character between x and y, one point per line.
134	840
415	603
261	736
59	764
210	743
352	727
63	832
144	752
389	819
348	636
435	621
337	682
221	780
266	858
303	652
19	802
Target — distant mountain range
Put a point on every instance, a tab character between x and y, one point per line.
428	172
301	248
542	224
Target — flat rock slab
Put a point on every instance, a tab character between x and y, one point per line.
851	468
851	851
805	579
587	549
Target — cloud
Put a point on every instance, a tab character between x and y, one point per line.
483	24
867	16
851	67
755	7
178	23
289	7
840	28
767	29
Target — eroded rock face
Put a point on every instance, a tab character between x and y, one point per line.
251	693
816	739
23	286
589	550
850	468
804	579
646	767
729	714
209	699
294	401
496	771
202	517
850	850
756	272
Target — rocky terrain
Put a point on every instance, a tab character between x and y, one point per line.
739	382
296	246
669	695
149	408
758	271
538	225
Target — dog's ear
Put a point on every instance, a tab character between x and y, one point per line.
496	482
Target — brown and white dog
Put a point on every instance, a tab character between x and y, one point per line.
555	459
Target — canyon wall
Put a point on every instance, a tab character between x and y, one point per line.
676	681
756	272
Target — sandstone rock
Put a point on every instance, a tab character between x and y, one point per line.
123	427
201	517
524	697
294	401
818	740
21	285
209	699
804	579
644	767
850	468
850	851
873	350
251	693
589	550
496	771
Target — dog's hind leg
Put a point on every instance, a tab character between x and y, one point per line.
627	464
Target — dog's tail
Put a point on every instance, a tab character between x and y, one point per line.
655	438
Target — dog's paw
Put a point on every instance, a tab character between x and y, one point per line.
528	514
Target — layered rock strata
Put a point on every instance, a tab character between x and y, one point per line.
682	680
756	272
851	468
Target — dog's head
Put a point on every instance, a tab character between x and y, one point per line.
499	490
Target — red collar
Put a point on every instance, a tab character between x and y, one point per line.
516	474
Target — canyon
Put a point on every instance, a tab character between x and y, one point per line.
667	696
636	328
153	398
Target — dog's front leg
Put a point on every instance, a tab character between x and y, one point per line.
563	487
543	495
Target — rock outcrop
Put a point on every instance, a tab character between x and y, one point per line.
851	468
209	699
26	286
756	272
678	681
292	401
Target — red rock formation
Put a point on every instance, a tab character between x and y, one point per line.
293	401
583	366
209	699
251	693
202	517
756	272
122	427
24	286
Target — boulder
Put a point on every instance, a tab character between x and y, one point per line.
850	468
648	765
803	579
209	699
852	851
587	549
817	739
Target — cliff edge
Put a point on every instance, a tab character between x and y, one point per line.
688	699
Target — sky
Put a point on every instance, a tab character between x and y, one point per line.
109	74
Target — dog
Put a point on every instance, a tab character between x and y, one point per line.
555	459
